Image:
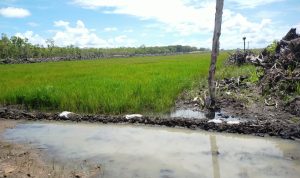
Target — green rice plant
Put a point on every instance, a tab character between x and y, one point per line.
111	86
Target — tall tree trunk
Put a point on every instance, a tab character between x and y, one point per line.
214	54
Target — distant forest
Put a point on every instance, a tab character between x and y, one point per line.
16	48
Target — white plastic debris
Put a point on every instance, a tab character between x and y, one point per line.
131	116
195	99
228	93
216	121
233	122
65	114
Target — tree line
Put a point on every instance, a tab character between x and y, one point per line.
16	48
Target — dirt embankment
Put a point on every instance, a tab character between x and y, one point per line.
21	161
260	127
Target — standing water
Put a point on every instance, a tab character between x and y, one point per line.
189	113
159	152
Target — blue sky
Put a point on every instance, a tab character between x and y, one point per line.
116	23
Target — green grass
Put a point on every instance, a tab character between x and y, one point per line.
235	71
140	84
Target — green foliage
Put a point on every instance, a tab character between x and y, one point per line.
138	84
235	71
256	75
18	48
272	48
297	88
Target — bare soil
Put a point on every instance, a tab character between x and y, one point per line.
20	161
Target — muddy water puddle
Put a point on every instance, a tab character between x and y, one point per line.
189	113
158	152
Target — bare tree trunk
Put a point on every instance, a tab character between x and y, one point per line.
214	53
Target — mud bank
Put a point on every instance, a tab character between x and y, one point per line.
258	127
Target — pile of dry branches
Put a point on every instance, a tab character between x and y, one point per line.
281	65
278	71
239	57
232	84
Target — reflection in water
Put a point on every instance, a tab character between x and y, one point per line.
187	113
194	114
131	151
214	155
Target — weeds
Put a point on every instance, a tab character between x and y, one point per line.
271	49
235	71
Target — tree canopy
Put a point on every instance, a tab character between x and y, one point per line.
18	48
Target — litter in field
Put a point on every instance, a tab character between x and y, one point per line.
216	121
131	116
65	114
233	122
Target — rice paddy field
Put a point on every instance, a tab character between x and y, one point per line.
106	86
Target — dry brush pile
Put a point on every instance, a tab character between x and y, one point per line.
279	69
281	66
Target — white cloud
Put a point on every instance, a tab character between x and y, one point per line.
259	34
13	12
298	27
253	3
82	36
110	29
61	23
122	41
180	16
79	35
32	38
33	24
192	17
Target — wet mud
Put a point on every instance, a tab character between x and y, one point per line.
255	126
